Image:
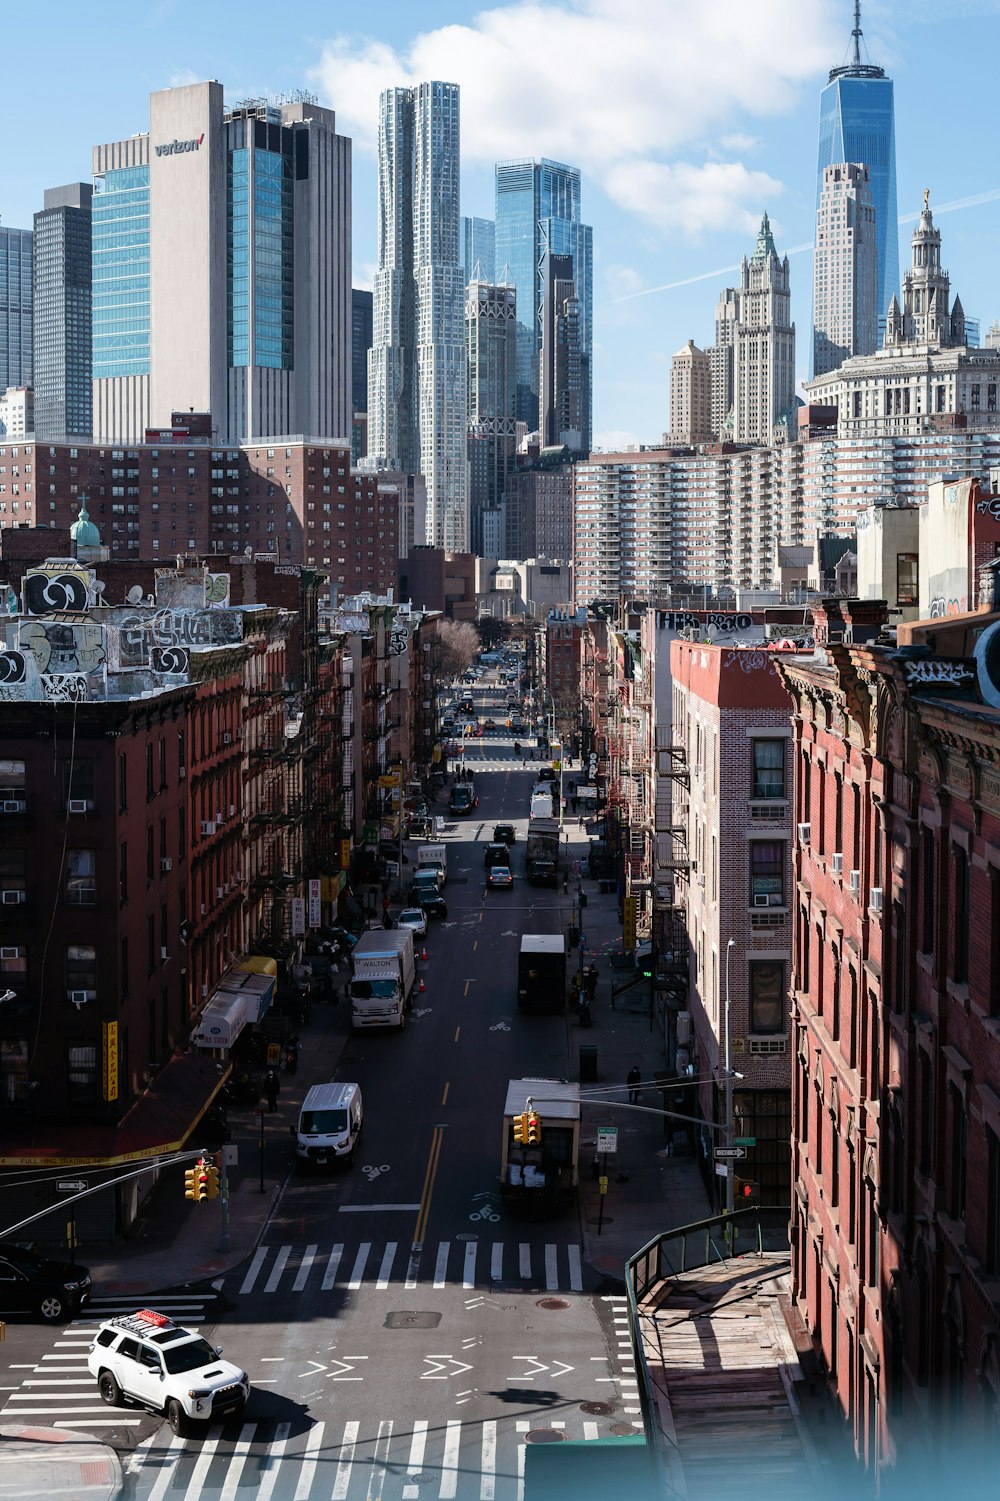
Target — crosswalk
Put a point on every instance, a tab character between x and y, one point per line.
60	1392
351	1459
468	1264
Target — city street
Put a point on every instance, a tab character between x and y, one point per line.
404	1335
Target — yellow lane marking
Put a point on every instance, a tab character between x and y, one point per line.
458	1033
444	1097
429	1179
466	990
475	944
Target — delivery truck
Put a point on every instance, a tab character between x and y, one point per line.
434	856
540	1145
541	972
382	976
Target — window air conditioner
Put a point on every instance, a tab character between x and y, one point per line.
207	826
10	953
855	882
218	818
232	810
761	901
166	864
78	997
13	805
164	954
204	909
805	829
219	893
227	738
77	805
182	772
837	864
13	898
875	899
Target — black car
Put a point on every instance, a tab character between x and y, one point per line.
433	905
32	1284
542	873
496	854
504	833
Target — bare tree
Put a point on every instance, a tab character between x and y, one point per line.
459	644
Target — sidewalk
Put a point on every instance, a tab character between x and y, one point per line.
648	1192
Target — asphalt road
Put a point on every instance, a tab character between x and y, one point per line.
405	1337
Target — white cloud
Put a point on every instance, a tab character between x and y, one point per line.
616	439
623	280
615	86
738	140
181	78
679	195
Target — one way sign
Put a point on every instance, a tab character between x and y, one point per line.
724	1154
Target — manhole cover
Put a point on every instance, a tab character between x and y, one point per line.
609	1219
423	1477
544	1436
467	1235
623	1430
553	1304
597	1409
412	1319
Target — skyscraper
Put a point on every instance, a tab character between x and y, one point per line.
856	124
845	268
538	212
561	369
417	398
690	396
62	331
241	218
491	333
764	344
361	342
720	359
15	307
478	249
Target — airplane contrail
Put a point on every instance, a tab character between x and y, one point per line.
973	201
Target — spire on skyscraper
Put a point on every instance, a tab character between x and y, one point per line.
765	241
856	68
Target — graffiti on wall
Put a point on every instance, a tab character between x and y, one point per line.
138	635
686	620
941	607
66	589
170	659
216	591
64	646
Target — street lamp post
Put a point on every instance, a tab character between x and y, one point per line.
729	1086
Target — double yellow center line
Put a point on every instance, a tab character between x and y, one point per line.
428	1190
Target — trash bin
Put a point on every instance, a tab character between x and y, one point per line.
588	1062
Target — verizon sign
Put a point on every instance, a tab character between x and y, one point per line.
177	148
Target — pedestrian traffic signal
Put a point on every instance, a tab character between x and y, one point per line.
211	1181
194	1183
521	1129
534	1130
748	1192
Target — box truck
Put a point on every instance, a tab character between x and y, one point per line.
382	976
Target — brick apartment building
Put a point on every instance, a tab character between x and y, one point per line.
730	720
896	1082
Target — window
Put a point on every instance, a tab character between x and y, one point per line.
767	873
838	814
926	1105
81	967
79	781
163	763
122	783
768	768
992	1203
993	998
11	781
150	855
81	878
959	1153
151	943
960	960
906	578
927	852
123	967
81	1071
767	996
13	1068
149	771
13	876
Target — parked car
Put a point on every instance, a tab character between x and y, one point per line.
433	905
147	1359
32	1284
504	833
547	774
499	876
415	918
496	854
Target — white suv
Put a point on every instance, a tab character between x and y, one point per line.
146	1358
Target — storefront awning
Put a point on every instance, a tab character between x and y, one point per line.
222	1021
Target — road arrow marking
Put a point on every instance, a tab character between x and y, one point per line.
439	1362
346	1364
559	1369
316	1366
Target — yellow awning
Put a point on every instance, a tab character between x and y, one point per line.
258	964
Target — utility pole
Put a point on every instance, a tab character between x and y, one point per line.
729	1085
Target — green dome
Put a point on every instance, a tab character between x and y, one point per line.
83	531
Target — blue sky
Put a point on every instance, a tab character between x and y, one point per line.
686	120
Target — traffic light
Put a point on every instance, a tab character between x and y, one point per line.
521	1129
194	1182
534	1130
211	1181
748	1192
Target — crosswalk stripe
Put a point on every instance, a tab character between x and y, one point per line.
203	1464
590	1430
307	1474
237	1462
271	1285
330	1275
388	1257
253	1272
305	1267
496	1261
359	1265
380	1460
488	1463
524	1259
346	1462
272	1464
551	1270
575	1269
449	1460
469	1277
413	1267
441	1265
415	1463
166	1472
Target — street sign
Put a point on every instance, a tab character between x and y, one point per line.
745	1141
722	1170
71	1185
607	1138
722	1153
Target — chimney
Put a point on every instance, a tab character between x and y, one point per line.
988	600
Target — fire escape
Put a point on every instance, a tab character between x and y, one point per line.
671	946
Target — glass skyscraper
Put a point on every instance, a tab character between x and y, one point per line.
478	249
121	272
15	307
856	124
537	214
63	335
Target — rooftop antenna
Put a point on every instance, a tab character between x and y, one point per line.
856	33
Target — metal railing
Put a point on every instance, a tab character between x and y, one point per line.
716	1241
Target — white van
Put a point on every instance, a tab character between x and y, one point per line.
330	1124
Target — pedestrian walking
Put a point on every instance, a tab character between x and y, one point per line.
271	1088
634	1082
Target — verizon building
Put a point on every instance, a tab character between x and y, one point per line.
222	270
